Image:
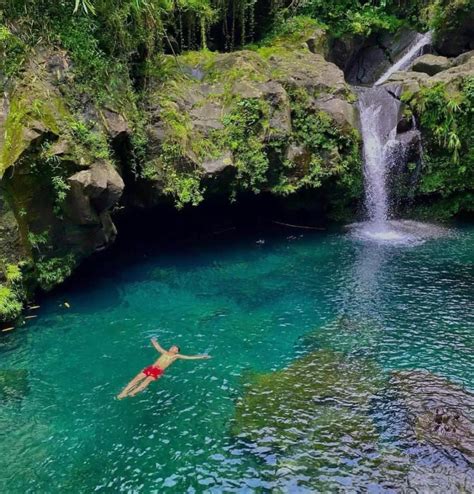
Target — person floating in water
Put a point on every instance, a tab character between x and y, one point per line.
156	370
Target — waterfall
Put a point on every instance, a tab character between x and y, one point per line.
412	52
379	116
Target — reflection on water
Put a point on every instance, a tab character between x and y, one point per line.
339	366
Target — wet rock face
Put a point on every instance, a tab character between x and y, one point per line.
369	61
440	413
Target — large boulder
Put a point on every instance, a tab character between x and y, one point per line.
93	192
305	70
344	113
246	111
430	70
92	195
431	64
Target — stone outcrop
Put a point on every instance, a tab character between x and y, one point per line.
431	64
201	120
59	181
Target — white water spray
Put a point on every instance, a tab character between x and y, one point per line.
378	117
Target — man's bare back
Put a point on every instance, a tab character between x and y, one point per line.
156	370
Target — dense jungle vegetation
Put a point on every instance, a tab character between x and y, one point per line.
137	31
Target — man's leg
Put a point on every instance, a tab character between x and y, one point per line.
134	382
142	386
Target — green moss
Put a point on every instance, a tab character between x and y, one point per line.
14	143
203	59
290	35
23	111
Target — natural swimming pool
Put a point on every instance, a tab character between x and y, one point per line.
342	313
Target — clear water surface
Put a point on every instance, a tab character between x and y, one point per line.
250	301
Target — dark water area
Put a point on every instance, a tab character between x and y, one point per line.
330	355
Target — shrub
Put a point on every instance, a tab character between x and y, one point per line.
52	272
10	305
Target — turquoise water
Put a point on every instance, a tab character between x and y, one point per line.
256	303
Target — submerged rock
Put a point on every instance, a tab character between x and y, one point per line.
290	405
13	385
316	418
440	412
348	334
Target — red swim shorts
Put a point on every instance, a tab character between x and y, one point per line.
154	372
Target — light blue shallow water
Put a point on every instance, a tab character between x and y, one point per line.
256	304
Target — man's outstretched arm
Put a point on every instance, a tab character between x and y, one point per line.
157	346
194	357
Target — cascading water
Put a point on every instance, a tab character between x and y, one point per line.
379	115
412	52
379	118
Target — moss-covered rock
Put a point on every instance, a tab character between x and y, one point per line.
56	161
234	118
442	104
282	407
